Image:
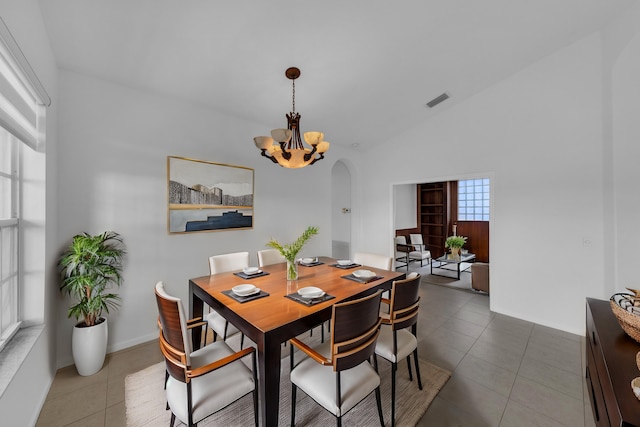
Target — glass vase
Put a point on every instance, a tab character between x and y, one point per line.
292	270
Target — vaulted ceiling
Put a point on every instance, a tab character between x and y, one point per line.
368	66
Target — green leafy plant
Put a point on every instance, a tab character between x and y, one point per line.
291	250
89	267
455	242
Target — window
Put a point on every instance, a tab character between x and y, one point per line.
9	180
22	127
473	200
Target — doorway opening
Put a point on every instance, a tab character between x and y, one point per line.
340	211
431	212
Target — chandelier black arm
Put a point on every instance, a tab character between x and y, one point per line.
285	154
273	159
317	158
308	156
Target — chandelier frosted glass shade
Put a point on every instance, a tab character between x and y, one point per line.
285	146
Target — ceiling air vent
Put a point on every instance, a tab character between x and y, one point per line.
437	100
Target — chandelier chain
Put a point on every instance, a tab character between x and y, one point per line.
293	96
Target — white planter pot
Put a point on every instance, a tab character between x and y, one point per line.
89	347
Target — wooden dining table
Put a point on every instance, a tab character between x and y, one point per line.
271	320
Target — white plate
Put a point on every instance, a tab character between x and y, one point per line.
364	274
251	270
344	262
310	292
245	289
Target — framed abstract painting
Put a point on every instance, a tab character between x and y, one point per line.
208	196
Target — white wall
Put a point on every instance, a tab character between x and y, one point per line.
112	160
21	401
405	206
538	135
626	155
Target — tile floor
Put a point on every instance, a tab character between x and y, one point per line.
506	372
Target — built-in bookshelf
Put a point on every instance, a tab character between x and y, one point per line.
433	214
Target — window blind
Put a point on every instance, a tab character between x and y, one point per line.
22	96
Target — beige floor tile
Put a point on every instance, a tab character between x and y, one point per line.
463	327
551	376
451	338
445	414
116	416
487	374
115	390
474	399
504	339
134	359
507	358
561	407
73	406
67	380
516	414
95	420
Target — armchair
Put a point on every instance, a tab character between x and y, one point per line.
421	253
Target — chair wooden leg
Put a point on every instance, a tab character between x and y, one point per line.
173	419
415	359
338	398
293	404
379	402
255	390
394	367
409	367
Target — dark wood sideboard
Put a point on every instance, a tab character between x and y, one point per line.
611	365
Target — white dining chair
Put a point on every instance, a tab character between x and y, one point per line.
422	253
337	374
269	257
398	333
373	260
228	262
221	264
202	382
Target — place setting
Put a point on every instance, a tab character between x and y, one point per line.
310	295
245	292
310	262
251	273
345	264
362	276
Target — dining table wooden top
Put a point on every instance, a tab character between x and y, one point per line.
272	311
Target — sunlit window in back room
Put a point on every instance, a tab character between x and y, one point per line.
473	200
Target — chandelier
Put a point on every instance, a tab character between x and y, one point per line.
284	146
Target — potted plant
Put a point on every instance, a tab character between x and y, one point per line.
454	243
90	267
290	251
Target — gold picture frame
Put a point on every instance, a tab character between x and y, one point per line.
208	196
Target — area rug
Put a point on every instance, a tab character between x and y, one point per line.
145	400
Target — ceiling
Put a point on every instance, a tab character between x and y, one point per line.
368	66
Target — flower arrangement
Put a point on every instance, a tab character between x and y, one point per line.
290	251
455	242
